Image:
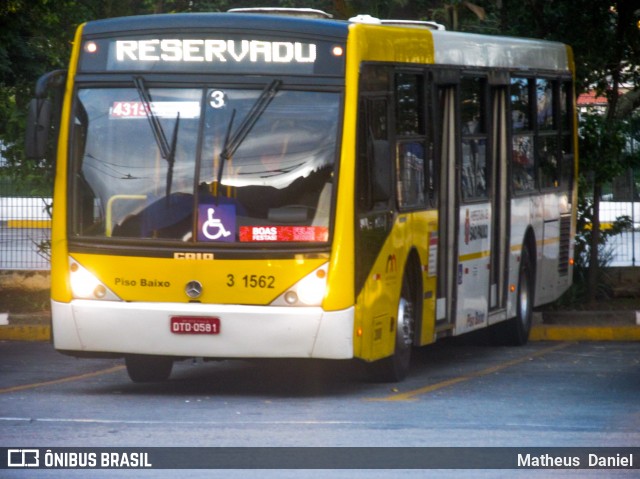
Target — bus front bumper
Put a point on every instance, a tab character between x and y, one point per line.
245	331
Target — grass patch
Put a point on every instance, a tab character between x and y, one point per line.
25	292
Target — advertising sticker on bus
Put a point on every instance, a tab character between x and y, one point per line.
283	233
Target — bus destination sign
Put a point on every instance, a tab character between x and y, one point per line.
200	50
212	54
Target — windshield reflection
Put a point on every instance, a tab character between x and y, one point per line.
276	186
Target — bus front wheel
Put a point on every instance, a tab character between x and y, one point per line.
396	367
148	369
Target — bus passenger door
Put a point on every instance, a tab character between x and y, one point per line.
500	202
476	212
447	204
374	220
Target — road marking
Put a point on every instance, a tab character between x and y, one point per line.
413	394
68	379
199	422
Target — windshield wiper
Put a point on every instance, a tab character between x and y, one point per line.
167	150
233	142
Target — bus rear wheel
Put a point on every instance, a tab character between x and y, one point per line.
144	368
515	331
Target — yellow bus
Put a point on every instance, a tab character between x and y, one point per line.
245	185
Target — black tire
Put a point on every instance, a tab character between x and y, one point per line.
515	331
148	369
396	367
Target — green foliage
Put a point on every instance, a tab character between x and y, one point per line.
579	291
35	37
604	156
602	147
461	15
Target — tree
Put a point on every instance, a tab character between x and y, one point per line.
34	37
452	11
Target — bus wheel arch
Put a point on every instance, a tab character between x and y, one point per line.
407	327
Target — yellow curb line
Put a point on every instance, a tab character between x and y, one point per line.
42	224
551	332
31	332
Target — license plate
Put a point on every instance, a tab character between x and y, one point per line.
195	325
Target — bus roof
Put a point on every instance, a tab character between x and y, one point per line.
474	50
449	48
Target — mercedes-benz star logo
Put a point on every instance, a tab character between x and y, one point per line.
193	289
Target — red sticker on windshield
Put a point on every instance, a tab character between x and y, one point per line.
284	233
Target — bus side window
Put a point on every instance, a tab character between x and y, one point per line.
548	147
411	174
522	157
474	138
374	162
373	169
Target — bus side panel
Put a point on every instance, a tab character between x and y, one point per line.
541	216
474	240
426	243
544	219
548	279
377	303
555	277
378	299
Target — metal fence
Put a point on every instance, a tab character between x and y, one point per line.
621	198
25	225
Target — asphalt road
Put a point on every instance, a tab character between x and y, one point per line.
460	393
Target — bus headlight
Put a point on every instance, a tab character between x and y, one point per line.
84	285
309	291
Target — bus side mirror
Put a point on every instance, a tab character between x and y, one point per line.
42	116
382	174
38	126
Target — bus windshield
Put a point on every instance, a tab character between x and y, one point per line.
206	165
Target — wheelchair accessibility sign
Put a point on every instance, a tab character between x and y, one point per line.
217	223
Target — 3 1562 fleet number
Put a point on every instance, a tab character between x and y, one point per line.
252	281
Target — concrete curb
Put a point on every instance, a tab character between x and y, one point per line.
27	327
585	326
548	326
554	332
